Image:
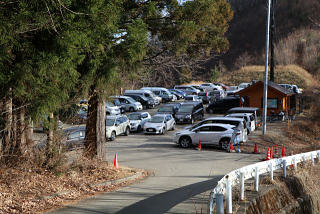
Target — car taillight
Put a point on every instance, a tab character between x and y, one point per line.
238	133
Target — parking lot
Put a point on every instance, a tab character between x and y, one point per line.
182	177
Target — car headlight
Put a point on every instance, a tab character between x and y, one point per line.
149	102
188	116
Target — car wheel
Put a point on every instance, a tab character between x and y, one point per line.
131	109
185	142
113	136
224	144
127	132
139	128
210	111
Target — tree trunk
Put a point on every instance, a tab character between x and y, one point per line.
95	127
29	132
21	141
7	134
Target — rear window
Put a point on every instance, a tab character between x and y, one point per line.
234	123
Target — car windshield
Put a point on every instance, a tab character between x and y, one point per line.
109	104
156	120
134	117
131	100
110	122
185	108
165	109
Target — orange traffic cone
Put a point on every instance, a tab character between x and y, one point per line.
199	144
271	152
255	149
268	154
283	152
115	162
231	146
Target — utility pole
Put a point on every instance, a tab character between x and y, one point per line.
265	94
272	32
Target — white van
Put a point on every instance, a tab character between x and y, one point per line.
147	93
162	92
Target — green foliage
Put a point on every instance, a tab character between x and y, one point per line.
215	74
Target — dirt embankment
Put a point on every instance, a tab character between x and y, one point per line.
299	193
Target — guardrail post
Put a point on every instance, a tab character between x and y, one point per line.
219	204
284	168
312	159
295	163
271	170
241	186
256	183
229	197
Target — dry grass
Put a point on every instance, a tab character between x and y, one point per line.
24	189
291	74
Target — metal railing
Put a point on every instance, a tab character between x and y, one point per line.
223	190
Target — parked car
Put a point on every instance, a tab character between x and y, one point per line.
223	105
137	120
253	110
161	92
204	97
145	102
75	137
209	134
169	109
292	88
117	125
232	90
159	124
199	88
296	89
189	90
244	85
128	103
216	94
239	123
190	112
179	94
248	117
210	87
224	87
117	103
147	93
111	109
195	98
82	115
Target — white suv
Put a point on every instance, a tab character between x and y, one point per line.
209	134
116	125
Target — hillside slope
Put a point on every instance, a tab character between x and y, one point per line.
291	74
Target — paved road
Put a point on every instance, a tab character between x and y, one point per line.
182	180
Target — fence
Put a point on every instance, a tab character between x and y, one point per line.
223	190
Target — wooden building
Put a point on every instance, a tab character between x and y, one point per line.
279	98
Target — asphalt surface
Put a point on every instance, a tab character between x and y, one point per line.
182	178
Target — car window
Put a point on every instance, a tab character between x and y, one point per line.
204	129
169	117
74	135
156	92
218	129
118	121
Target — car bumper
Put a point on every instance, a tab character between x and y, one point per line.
134	128
183	120
152	131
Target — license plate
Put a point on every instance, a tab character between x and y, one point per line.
149	130
180	119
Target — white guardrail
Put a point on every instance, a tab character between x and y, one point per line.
223	190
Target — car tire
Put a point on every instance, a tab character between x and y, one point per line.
224	143
139	129
210	111
185	142
113	136
131	109
127	132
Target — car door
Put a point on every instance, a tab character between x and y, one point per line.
204	134
170	121
118	127
217	133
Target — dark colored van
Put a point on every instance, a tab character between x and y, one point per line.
189	112
169	109
223	105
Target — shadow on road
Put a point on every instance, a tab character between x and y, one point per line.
163	202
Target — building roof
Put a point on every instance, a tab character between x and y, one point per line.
270	84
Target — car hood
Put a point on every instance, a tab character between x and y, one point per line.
113	107
152	125
183	113
135	121
137	103
182	132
